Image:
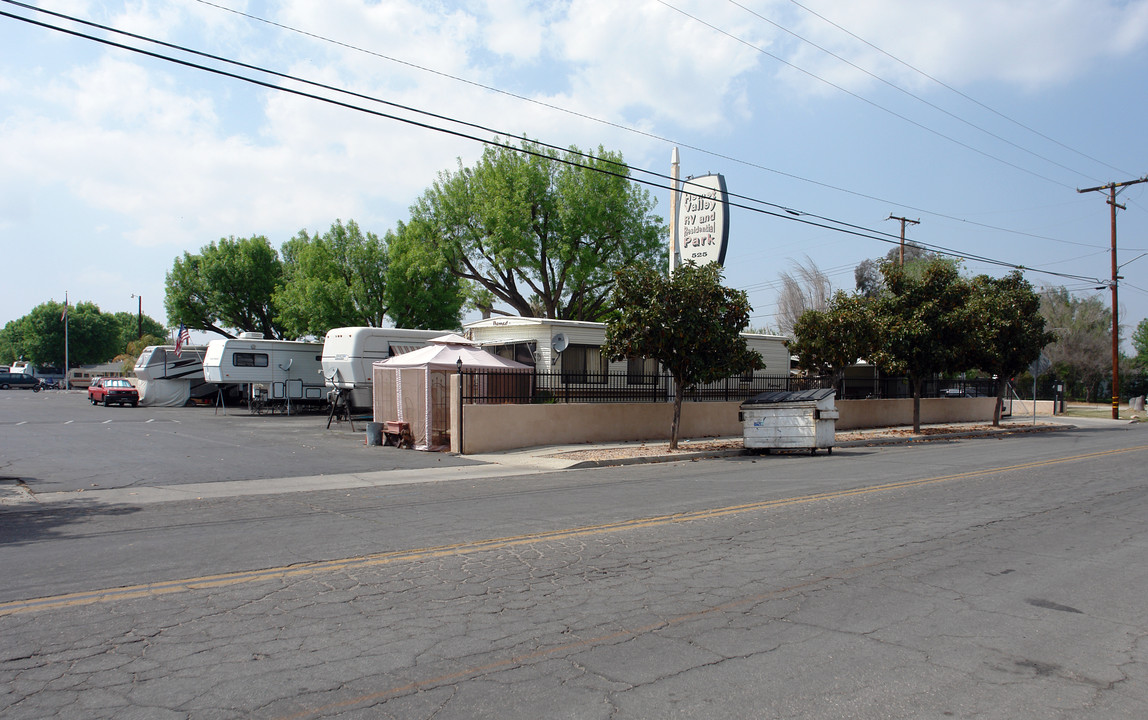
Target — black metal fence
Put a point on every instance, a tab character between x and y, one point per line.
499	386
496	386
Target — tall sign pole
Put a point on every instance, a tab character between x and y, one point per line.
1111	188
675	174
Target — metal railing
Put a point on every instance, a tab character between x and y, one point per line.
497	386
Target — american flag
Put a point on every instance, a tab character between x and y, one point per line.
183	338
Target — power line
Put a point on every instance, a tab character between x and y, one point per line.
908	93
786	214
958	92
629	129
865	100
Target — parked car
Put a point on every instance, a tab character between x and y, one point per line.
113	390
19	380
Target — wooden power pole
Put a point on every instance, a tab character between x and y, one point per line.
1112	189
903	221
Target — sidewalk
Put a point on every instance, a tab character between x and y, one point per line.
572	457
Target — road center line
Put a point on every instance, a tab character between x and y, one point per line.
208	582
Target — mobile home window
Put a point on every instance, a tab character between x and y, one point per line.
641	371
584	364
246	359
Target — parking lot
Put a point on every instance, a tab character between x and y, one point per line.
56	441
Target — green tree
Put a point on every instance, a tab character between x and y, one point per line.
1082	353
1008	329
228	285
1140	343
548	225
689	323
869	279
421	291
93	337
830	340
129	325
923	324
337	279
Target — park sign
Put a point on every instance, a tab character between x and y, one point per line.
702	223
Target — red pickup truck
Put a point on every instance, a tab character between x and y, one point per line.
113	390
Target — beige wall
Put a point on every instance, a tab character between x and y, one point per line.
489	428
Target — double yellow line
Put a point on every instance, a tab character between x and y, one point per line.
208	582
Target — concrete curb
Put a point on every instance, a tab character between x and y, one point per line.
866	442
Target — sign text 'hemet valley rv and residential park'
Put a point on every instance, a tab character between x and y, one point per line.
703	230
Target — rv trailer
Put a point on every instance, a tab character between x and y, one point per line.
166	380
349	354
274	374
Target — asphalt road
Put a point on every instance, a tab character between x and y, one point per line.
56	441
990	578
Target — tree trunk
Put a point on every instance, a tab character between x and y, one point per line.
1001	385
677	416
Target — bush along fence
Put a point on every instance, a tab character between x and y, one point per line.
497	386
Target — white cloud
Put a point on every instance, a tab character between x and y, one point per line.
642	57
1025	43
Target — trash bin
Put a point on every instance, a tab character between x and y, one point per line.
788	420
374	433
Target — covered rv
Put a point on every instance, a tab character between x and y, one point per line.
350	352
276	373
170	380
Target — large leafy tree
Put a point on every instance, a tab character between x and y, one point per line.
93	336
544	226
869	278
228	285
689	323
830	340
421	291
130	326
923	324
1008	329
1082	353
336	279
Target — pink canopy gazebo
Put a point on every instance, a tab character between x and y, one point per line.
414	387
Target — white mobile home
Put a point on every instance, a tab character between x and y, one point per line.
573	348
350	352
275	371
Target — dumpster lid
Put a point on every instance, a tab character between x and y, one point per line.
784	396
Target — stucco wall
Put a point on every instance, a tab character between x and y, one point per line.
489	428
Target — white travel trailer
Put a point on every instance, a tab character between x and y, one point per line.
349	354
275	374
169	380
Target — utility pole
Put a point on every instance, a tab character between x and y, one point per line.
675	173
903	221
1112	192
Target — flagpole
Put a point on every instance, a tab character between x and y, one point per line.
67	375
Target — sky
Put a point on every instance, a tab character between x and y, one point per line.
981	119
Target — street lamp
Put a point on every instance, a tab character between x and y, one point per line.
139	317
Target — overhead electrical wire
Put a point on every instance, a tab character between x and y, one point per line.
863	99
950	88
786	213
909	93
633	130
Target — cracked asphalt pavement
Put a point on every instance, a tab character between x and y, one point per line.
980	578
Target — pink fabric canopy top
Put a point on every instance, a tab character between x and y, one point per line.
445	356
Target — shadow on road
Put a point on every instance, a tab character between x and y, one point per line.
30	523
